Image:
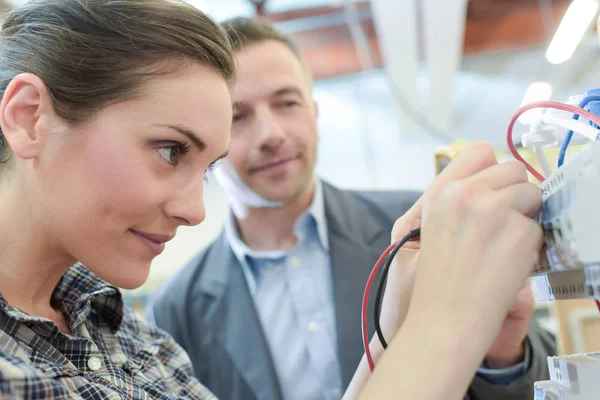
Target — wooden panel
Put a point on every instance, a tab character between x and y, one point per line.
331	51
563	309
494	28
591	332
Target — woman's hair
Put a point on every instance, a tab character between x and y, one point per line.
93	53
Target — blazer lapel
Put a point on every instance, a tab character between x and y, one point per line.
355	240
235	323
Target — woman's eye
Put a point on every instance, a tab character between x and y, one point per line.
172	153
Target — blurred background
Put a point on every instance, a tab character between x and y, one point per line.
395	79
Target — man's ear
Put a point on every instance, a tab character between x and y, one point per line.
25	101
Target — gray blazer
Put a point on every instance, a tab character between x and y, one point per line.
208	309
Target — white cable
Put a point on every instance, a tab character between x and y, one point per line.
541	156
571	124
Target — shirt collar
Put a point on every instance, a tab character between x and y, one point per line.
75	292
316	210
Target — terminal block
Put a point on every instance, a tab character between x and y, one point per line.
569	264
573	377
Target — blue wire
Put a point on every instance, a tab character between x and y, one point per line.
563	148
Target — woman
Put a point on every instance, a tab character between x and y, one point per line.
112	111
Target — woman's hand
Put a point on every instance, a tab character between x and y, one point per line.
480	244
448	294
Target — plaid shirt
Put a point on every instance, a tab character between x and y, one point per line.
112	354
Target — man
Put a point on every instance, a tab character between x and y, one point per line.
271	309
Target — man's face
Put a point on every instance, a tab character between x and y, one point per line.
274	134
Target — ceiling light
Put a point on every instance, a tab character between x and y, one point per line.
571	30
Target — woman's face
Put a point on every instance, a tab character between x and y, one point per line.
112	191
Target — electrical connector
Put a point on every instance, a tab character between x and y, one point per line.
544	131
573	377
568	216
540	135
549	390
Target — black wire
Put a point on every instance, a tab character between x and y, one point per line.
414	234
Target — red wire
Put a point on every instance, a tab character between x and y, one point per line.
365	305
542	104
517	156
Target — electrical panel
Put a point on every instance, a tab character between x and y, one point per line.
569	264
572	377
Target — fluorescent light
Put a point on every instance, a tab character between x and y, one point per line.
537	91
571	30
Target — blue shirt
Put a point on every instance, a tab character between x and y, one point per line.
292	292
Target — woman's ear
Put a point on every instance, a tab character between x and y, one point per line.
25	101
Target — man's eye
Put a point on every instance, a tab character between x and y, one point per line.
238	117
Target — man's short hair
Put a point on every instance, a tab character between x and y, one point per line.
243	32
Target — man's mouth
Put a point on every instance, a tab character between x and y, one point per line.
272	165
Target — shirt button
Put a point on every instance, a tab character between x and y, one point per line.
313	326
94	363
269	265
295	262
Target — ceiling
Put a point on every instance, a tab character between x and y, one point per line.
320	28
